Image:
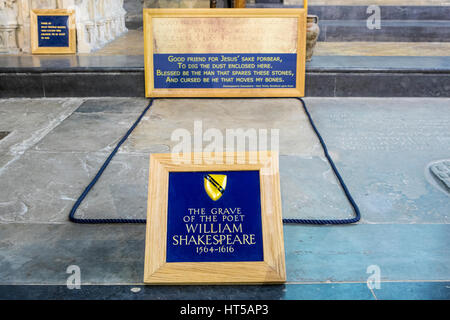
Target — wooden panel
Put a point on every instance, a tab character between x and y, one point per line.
239	3
270	270
244	33
35	48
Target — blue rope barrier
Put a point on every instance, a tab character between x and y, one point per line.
99	174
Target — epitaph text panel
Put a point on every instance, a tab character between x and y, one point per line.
225	70
53	31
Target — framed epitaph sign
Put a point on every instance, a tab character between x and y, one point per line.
214	220
225	52
53	31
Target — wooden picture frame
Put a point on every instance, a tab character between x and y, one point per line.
154	19
270	270
41	48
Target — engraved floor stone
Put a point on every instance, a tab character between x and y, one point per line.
441	170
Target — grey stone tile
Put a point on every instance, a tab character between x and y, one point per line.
377	124
114	254
382	148
173	292
227	109
320	84
113	105
42	187
121	192
23	107
29	121
155	130
21	85
41	253
83	132
309	190
414	291
343	253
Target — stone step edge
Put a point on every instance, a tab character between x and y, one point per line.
132	84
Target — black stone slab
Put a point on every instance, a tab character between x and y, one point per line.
74	63
123	76
94	84
27	85
320	84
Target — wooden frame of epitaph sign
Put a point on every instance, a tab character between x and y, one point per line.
271	269
243	32
36	48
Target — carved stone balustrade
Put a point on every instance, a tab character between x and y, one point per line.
97	21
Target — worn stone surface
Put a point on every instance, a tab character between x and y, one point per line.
285	115
114	254
29	121
44	174
382	148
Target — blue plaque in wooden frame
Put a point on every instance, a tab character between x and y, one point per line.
214	216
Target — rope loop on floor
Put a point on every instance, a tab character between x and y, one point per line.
88	188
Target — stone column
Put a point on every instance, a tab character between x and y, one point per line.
9	26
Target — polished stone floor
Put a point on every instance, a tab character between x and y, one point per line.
382	146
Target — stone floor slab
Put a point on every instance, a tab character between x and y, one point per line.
414	291
341	291
28	121
85	132
114	254
251	115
